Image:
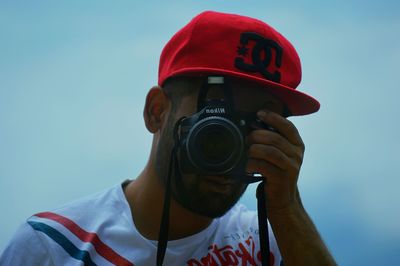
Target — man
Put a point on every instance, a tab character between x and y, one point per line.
202	224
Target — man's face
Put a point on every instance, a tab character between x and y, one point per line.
210	196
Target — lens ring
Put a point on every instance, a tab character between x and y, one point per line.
215	145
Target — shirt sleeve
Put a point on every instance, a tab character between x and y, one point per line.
25	248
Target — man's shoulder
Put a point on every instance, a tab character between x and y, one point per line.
25	245
84	212
70	228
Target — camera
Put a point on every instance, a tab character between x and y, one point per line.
212	141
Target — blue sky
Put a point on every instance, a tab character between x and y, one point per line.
74	75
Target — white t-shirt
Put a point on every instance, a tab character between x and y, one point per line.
99	230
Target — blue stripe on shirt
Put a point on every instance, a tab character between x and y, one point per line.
67	245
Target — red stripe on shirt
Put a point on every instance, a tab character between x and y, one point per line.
101	248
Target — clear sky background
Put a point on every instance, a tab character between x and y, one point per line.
74	76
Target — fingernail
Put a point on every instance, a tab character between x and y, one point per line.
261	114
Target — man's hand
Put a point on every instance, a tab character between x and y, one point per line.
278	156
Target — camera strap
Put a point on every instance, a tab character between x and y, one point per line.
165	218
164	226
263	233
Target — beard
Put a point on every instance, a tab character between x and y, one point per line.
207	196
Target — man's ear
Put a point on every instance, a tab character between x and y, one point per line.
155	109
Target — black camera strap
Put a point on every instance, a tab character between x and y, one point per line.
164	226
263	233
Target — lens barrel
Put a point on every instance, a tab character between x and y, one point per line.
215	145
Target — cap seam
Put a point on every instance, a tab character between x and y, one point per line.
190	37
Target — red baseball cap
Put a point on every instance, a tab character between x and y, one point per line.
214	43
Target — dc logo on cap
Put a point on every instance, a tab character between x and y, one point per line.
261	55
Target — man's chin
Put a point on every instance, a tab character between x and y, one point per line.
216	187
211	211
209	196
213	202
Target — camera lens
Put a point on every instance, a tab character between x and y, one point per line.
214	145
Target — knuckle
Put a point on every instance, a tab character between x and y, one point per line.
289	125
275	141
302	145
292	129
298	156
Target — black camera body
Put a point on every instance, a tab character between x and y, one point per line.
212	141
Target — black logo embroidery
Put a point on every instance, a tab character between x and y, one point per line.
260	62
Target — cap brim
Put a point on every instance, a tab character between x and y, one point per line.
297	102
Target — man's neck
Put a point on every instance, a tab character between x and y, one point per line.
145	196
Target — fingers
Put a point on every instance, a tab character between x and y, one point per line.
271	162
269	154
264	168
283	126
274	139
275	175
277	152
